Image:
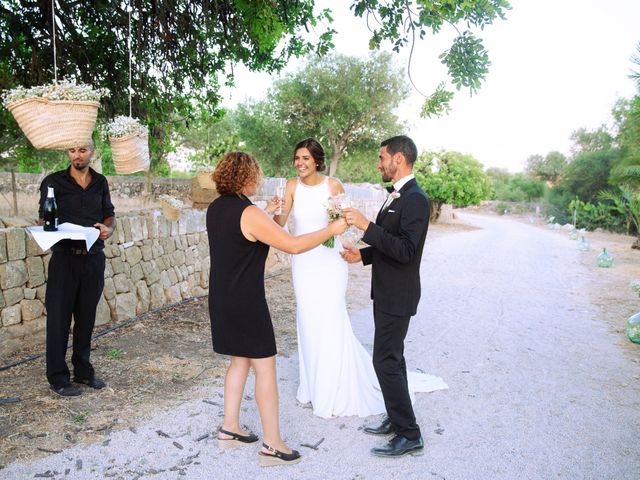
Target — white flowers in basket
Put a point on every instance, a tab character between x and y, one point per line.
64	90
122	126
172	201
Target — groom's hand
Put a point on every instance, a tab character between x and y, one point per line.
351	255
354	217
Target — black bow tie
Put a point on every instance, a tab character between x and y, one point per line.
390	189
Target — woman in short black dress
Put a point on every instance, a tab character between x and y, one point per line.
239	238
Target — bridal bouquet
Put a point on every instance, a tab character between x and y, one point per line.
335	204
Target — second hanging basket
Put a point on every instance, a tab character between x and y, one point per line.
129	141
130	153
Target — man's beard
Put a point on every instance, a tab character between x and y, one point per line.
80	167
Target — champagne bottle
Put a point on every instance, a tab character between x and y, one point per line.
50	211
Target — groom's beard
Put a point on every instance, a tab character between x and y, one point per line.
387	173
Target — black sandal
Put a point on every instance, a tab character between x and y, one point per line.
236	439
276	457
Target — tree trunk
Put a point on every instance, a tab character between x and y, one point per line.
435	211
335	158
15	193
148	177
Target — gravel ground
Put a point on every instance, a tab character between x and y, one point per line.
539	384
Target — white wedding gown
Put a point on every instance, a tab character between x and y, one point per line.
336	372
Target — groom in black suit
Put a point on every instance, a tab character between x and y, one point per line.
396	241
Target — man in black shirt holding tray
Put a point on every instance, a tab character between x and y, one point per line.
76	276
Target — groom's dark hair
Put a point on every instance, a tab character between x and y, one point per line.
402	144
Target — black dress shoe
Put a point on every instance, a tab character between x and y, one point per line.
93	383
399	446
385	428
67	390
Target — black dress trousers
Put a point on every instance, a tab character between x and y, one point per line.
391	370
74	286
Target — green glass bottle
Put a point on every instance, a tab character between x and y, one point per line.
583	245
633	328
605	259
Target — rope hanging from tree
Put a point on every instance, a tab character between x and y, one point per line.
129	47
53	33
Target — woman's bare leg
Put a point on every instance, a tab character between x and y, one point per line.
234	382
268	404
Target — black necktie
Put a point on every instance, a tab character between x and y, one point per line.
390	189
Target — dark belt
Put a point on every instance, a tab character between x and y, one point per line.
75	251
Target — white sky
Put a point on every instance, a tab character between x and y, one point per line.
557	65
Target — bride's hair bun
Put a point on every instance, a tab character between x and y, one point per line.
316	150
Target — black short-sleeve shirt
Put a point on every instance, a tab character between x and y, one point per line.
82	206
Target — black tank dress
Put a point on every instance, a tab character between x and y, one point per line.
240	320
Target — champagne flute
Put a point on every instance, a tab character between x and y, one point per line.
280	188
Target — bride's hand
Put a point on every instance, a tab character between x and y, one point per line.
338	226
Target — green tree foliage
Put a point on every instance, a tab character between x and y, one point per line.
600	214
518	187
210	137
627	202
180	51
585	141
452	178
342	101
626	171
547	168
467	61
587	174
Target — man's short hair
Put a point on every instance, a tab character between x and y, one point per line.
89	144
402	144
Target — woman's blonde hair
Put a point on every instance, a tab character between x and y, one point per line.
234	171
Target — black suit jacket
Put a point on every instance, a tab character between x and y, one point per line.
396	241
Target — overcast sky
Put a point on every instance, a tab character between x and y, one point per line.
557	65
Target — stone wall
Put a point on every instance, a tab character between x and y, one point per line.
119	185
150	262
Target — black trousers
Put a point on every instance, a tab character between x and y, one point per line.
391	370
74	286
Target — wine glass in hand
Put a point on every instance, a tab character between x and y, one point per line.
280	189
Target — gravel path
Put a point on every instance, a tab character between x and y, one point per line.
538	388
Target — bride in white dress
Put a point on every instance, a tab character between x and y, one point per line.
336	372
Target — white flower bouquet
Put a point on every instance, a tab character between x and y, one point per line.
129	144
56	116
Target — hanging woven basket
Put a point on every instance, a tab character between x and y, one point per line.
130	153
55	124
170	212
205	180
